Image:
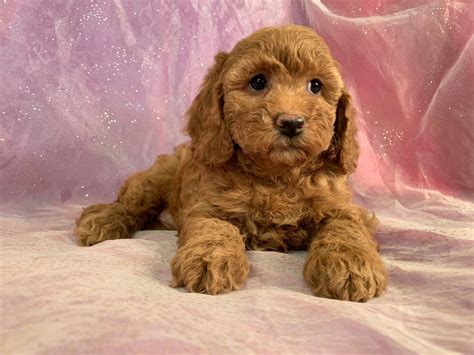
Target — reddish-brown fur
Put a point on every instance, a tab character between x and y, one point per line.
241	185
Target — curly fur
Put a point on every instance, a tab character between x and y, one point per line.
240	184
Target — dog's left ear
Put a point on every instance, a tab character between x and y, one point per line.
345	130
210	139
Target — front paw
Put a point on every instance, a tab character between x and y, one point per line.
345	273
211	269
102	222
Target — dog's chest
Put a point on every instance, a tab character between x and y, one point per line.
282	222
272	218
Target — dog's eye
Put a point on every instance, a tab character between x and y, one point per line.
314	86
258	83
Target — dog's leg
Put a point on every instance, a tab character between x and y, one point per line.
343	261
140	199
210	258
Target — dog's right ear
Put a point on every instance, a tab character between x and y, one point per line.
210	138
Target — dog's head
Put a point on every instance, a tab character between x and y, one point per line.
279	96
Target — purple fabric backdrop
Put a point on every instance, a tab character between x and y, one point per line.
93	90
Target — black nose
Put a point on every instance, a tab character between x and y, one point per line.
290	126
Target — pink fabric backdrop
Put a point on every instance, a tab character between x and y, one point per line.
93	90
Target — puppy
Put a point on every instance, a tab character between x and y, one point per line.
273	140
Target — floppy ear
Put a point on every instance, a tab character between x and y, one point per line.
347	148
210	139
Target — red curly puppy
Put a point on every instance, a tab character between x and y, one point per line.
272	143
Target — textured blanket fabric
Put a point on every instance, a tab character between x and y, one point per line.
114	297
93	90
